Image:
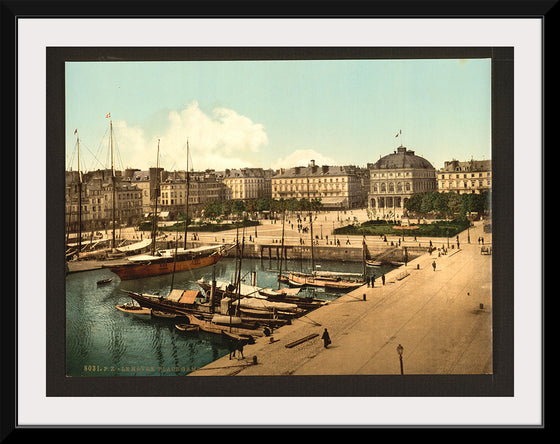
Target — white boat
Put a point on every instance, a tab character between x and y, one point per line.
263	304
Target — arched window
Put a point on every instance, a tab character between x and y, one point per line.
391	187
383	187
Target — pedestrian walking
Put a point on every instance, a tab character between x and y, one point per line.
372	281
434	265
326	338
383	279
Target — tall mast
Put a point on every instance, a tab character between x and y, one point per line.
238	290
156	193
311	228
79	197
187	204
364	246
282	247
113	180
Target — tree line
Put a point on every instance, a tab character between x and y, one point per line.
441	204
449	204
236	207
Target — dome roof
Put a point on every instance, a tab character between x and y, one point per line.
402	159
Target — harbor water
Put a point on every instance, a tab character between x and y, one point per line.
103	341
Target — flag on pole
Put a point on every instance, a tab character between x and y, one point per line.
400	132
108	115
76	131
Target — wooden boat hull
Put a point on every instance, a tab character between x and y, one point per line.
162	305
267	317
165	315
325	282
135	310
165	266
282	297
210	327
374	263
104	281
246	339
187	327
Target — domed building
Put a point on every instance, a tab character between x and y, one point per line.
396	177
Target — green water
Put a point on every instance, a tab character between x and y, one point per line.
103	341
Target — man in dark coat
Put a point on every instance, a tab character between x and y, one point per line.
326	338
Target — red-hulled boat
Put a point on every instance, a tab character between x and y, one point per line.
166	262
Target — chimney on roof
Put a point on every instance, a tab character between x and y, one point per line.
325	168
312	163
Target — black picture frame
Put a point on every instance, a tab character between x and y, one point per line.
500	384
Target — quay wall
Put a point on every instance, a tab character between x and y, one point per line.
340	253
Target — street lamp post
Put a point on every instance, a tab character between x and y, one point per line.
400	350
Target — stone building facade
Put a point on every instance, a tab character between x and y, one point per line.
338	187
474	176
247	183
203	187
394	178
97	201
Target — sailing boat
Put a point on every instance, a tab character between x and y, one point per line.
229	323
160	262
70	251
328	280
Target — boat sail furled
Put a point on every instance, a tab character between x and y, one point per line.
160	262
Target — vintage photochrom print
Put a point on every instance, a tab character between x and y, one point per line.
301	213
268	222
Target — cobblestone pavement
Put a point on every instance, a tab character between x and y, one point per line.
442	317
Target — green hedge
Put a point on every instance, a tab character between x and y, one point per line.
380	228
205	227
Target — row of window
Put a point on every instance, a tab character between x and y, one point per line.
311	180
457	176
304	195
429	173
251	181
383	187
464	184
303	188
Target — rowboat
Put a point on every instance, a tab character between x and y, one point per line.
187	327
374	263
135	310
165	315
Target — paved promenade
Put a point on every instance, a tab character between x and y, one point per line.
442	318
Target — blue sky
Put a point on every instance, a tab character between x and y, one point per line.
275	114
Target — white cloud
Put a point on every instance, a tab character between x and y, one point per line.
220	140
302	158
